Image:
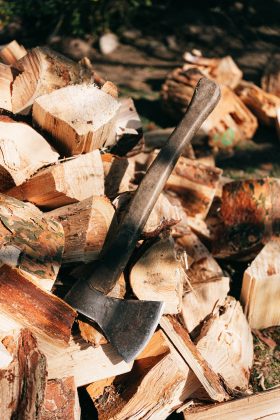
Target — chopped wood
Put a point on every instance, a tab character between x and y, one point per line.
17	164
67	182
271	79
80	125
6	78
226	343
23	381
223	70
250	212
5	357
162	380
158	275
264	105
264	405
12	52
30	242
261	288
230	122
41	71
196	185
187	349
84	362
111	89
128	128
119	173
44	313
205	286
61	400
85	225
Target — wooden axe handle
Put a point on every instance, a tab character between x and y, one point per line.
118	251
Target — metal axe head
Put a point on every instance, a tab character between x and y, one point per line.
128	324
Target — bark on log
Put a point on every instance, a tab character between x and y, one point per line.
223	70
6	79
22	383
226	343
30	242
80	125
271	79
12	52
158	275
61	400
85	225
161	379
260	292
264	105
67	182
17	164
181	340
45	314
41	71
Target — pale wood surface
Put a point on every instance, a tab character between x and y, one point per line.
6	78
85	225
77	125
181	340
12	52
226	343
41	71
17	164
260	294
66	182
265	405
158	275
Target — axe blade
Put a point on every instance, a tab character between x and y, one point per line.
128	324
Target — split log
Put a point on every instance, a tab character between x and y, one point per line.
41	71
119	173
261	287
84	362
79	118
69	181
160	379
158	275
17	164
85	225
226	343
264	105
43	313
61	400
12	52
128	127
229	123
181	340
22	383
206	287
196	185
250	213
271	79
163	215
264	405
6	79
30	242
223	70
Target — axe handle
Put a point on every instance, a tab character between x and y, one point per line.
117	253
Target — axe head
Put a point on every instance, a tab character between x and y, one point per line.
128	324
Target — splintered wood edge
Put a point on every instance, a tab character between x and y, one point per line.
182	342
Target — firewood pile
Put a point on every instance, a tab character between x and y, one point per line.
72	156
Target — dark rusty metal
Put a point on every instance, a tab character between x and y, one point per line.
129	324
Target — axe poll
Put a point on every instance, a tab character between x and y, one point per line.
129	324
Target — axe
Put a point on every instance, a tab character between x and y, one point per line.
129	324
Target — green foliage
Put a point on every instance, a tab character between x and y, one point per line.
76	17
